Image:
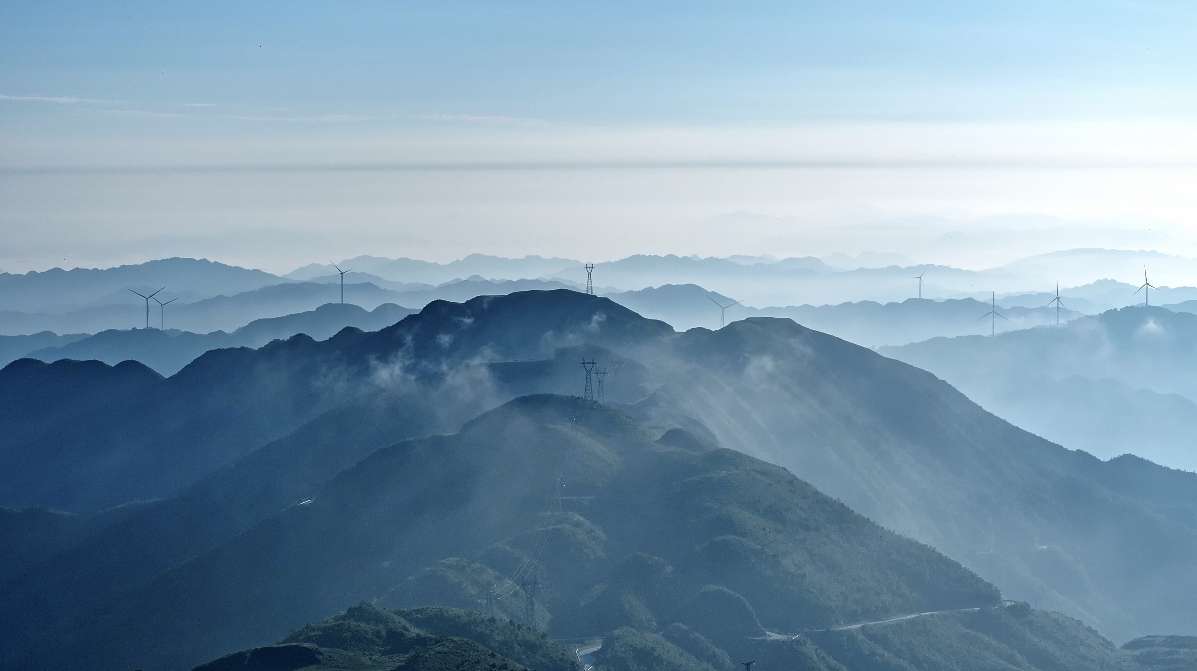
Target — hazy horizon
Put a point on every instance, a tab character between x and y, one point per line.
271	140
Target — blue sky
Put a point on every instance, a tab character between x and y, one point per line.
147	85
598	63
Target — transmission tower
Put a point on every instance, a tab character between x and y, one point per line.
602	379
588	392
590	278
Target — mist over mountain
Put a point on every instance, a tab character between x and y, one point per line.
1058	528
598	336
58	290
354	277
734	548
1102	295
167	352
1091	265
17	346
217	313
1111	384
431	272
867	323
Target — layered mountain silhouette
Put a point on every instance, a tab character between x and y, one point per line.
866	323
431	272
57	290
617	526
1110	542
214	313
17	346
169	351
1077	385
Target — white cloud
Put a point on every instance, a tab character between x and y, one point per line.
56	100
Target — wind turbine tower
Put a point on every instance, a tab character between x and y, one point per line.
1058	302
162	311
722	310
589	278
919	277
588	391
342	281
748	664
1146	288
993	314
147	304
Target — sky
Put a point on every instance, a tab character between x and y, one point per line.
277	134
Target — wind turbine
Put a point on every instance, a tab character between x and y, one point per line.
919	277
342	282
722	310
1146	289
1058	302
162	311
147	304
993	314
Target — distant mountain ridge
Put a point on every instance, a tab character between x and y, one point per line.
431	272
58	290
215	313
1076	385
167	352
867	323
890	440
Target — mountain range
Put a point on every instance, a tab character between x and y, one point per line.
167	352
431	272
244	443
564	502
866	323
1077	385
57	290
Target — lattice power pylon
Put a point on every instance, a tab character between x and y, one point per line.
588	392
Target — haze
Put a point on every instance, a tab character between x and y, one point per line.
270	138
702	336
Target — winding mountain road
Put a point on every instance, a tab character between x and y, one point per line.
775	636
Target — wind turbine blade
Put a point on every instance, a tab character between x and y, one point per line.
170	301
1002	316
1139	289
140	294
156	292
714	301
733	303
338	268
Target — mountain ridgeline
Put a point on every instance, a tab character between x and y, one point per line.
306	476
1078	385
169	351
